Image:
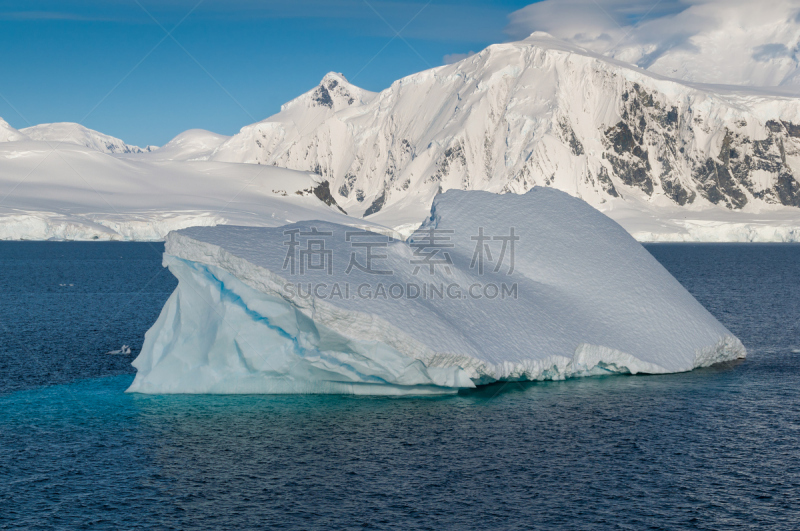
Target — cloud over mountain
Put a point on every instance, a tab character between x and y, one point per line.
706	41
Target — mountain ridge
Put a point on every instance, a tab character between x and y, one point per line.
74	133
540	111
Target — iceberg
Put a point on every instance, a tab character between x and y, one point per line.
539	286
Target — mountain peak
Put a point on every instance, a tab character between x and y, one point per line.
336	77
333	92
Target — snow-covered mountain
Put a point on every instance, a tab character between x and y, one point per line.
668	160
8	133
537	112
72	133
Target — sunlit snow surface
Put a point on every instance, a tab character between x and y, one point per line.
78	193
588	300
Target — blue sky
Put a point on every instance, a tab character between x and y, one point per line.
111	66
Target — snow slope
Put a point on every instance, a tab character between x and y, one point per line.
8	133
541	112
587	300
194	144
72	133
74	192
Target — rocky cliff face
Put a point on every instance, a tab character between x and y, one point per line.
536	112
654	145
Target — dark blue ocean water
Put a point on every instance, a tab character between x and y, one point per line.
712	449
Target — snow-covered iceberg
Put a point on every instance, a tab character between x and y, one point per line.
492	287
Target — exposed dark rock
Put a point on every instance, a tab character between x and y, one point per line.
788	189
391	167
632	172
322	97
677	193
323	94
323	193
670	183
765	158
774	126
320	170
718	186
570	138
605	182
622	140
454	153
792	129
651	129
632	165
348	184
725	151
672	117
376	205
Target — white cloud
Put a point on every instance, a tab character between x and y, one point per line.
713	41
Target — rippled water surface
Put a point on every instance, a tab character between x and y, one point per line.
711	449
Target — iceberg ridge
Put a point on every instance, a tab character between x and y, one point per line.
587	300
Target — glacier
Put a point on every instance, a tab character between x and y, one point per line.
536	286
